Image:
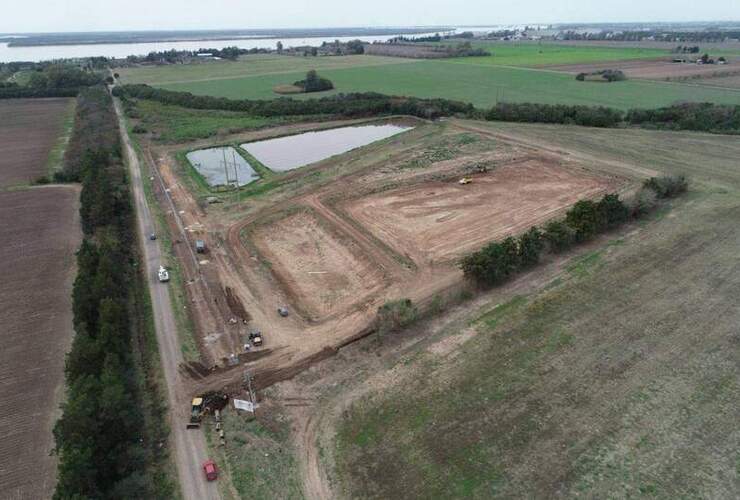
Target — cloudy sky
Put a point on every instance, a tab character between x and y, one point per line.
91	15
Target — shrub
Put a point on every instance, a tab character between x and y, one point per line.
613	211
314	83
667	186
559	236
644	202
394	315
493	264
586	219
530	246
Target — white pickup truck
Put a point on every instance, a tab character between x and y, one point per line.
163	274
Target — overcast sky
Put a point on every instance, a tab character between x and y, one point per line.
92	15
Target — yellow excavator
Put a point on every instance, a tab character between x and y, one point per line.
465	180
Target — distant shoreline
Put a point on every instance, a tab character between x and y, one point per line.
117	38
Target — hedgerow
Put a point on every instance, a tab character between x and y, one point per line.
498	261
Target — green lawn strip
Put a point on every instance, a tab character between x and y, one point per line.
479	84
54	162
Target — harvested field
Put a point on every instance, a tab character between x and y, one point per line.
730	81
29	128
658	69
441	221
42	233
319	269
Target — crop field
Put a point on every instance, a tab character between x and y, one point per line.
616	376
659	69
41	229
542	54
29	130
483	85
246	66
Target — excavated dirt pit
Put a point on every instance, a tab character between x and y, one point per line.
441	221
318	269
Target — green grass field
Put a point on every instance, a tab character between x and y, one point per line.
619	379
539	54
247	66
177	124
483	85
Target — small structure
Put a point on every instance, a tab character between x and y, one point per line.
200	246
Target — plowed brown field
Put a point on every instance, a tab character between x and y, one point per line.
28	130
40	236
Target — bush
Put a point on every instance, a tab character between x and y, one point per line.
613	212
314	83
556	113
704	117
493	264
643	202
346	105
667	186
586	220
530	246
394	315
559	236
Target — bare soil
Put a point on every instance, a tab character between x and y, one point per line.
41	234
380	223
315	266
442	221
28	130
659	69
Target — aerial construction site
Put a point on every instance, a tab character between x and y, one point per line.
306	257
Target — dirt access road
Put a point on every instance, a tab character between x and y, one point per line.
189	445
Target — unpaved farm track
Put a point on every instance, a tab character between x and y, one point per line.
189	445
41	232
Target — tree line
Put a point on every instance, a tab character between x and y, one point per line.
498	261
105	439
345	105
707	117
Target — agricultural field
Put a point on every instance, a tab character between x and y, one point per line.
42	232
611	371
31	137
542	54
246	66
481	84
660	69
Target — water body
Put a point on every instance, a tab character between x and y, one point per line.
210	164
122	50
295	151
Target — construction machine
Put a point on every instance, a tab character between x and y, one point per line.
465	180
196	413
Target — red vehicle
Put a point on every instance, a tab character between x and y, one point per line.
209	467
